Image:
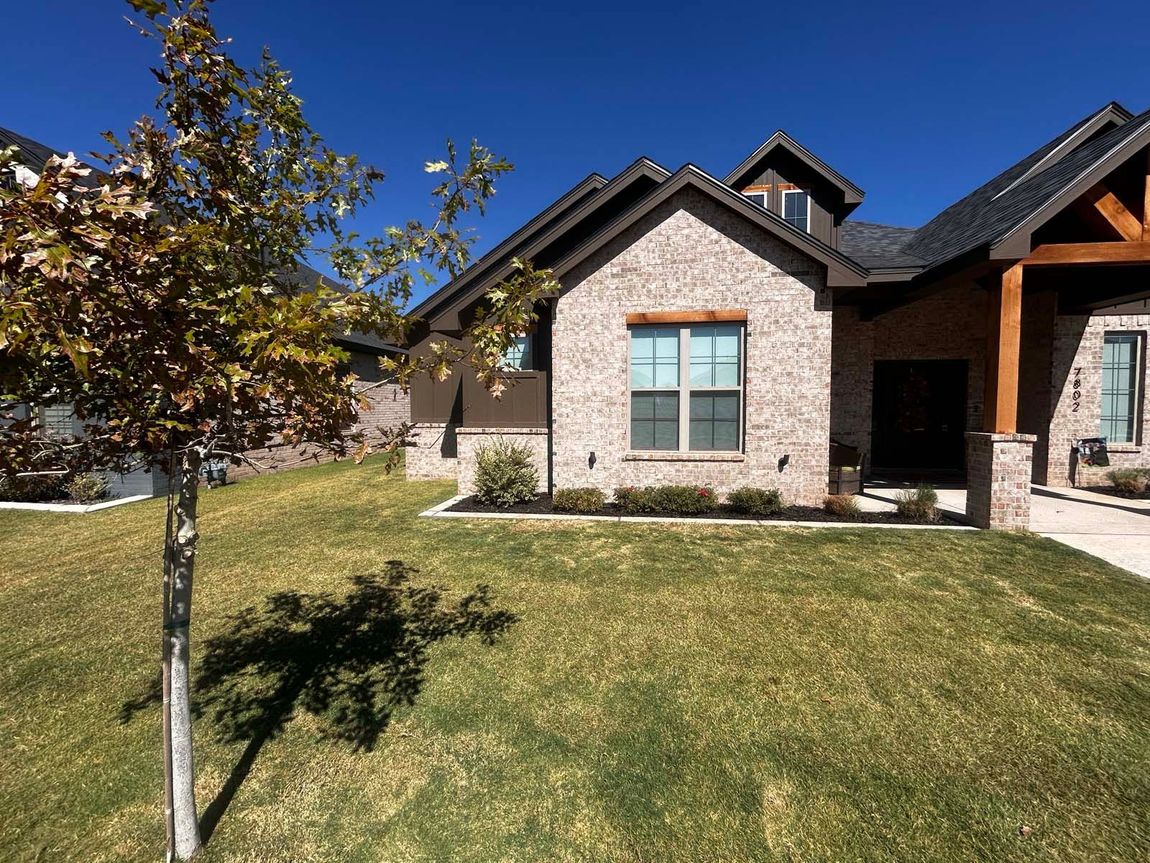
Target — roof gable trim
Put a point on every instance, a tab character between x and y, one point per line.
846	271
851	193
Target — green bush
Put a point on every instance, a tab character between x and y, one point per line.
32	489
844	506
920	503
578	500
1130	480
755	501
504	474
87	488
668	499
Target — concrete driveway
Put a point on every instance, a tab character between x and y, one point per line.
1113	528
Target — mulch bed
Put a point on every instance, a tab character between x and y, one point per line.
1113	492
542	506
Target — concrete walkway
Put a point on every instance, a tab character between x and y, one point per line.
1113	528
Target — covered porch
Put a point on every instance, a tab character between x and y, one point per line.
985	371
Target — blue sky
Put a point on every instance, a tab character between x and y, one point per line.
917	103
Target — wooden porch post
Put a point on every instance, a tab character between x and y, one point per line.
1003	339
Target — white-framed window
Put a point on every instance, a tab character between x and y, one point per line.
686	387
57	420
759	198
1121	384
520	356
797	208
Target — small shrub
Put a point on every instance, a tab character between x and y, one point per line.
685	499
504	474
578	500
669	499
87	488
32	489
920	504
1130	480
755	501
844	506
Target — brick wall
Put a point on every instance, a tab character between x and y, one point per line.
949	325
1077	347
432	451
388	407
472	439
691	254
998	470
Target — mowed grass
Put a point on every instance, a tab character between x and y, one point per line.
644	692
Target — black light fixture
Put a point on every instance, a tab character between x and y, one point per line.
591	459
784	461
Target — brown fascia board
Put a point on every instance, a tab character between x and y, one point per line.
589	185
1109	114
447	319
852	194
1015	243
841	270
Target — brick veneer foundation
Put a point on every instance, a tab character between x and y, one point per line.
998	470
472	439
431	452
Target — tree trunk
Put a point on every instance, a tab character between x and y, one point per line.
183	780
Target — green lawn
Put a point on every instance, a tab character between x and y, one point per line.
620	692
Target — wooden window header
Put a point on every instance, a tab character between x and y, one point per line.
701	317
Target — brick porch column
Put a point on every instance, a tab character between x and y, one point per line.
998	479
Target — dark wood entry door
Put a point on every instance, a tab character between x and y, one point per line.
919	415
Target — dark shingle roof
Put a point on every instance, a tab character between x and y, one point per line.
877	246
996	208
34	155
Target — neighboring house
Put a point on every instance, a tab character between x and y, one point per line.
725	331
388	406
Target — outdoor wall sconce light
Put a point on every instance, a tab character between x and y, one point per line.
591	459
784	461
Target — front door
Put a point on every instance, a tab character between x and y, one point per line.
919	416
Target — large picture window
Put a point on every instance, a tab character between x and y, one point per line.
687	387
1121	362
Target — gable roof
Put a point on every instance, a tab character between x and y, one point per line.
1030	187
577	194
441	310
852	194
841	269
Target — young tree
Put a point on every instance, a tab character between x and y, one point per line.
158	298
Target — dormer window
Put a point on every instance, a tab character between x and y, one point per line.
759	198
797	209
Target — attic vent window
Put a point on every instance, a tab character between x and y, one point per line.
797	209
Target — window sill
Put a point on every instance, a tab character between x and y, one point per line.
1124	448
667	455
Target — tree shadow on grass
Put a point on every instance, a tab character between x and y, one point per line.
351	661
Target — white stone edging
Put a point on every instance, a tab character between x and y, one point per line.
72	507
440	510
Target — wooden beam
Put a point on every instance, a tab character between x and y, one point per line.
1115	212
701	317
1003	341
1056	254
1146	202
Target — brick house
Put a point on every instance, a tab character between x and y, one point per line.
388	405
725	331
